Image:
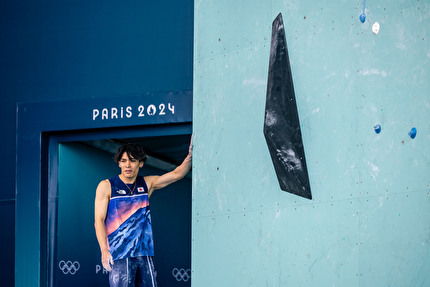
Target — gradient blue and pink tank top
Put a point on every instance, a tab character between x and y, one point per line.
128	220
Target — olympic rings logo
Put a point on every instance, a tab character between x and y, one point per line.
69	267
181	274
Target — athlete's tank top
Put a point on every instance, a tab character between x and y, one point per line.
128	220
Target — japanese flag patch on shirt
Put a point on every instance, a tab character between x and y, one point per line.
140	189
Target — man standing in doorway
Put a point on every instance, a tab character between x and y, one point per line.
123	221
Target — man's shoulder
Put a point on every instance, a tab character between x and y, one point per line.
113	180
104	188
104	183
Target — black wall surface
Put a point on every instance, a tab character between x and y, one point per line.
62	50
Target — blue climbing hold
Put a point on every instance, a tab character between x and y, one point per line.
377	128
413	133
362	17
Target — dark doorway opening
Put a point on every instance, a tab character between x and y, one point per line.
78	162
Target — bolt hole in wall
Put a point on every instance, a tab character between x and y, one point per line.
82	165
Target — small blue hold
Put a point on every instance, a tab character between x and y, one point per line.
362	17
413	133
377	128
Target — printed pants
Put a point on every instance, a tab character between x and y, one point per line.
135	271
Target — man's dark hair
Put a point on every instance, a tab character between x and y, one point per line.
133	151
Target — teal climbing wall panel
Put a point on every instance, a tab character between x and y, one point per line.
368	223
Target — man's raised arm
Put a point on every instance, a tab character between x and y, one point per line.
158	182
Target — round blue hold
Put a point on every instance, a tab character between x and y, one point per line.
377	128
413	133
362	17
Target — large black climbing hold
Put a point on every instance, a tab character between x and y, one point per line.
281	122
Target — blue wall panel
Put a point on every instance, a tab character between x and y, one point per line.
368	222
66	50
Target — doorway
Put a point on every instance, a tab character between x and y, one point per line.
43	128
82	164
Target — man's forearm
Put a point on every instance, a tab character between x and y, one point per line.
184	168
107	260
101	235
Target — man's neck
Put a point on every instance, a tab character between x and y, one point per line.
127	180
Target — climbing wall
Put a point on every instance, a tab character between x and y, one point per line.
363	100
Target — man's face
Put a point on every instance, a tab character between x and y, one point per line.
129	166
